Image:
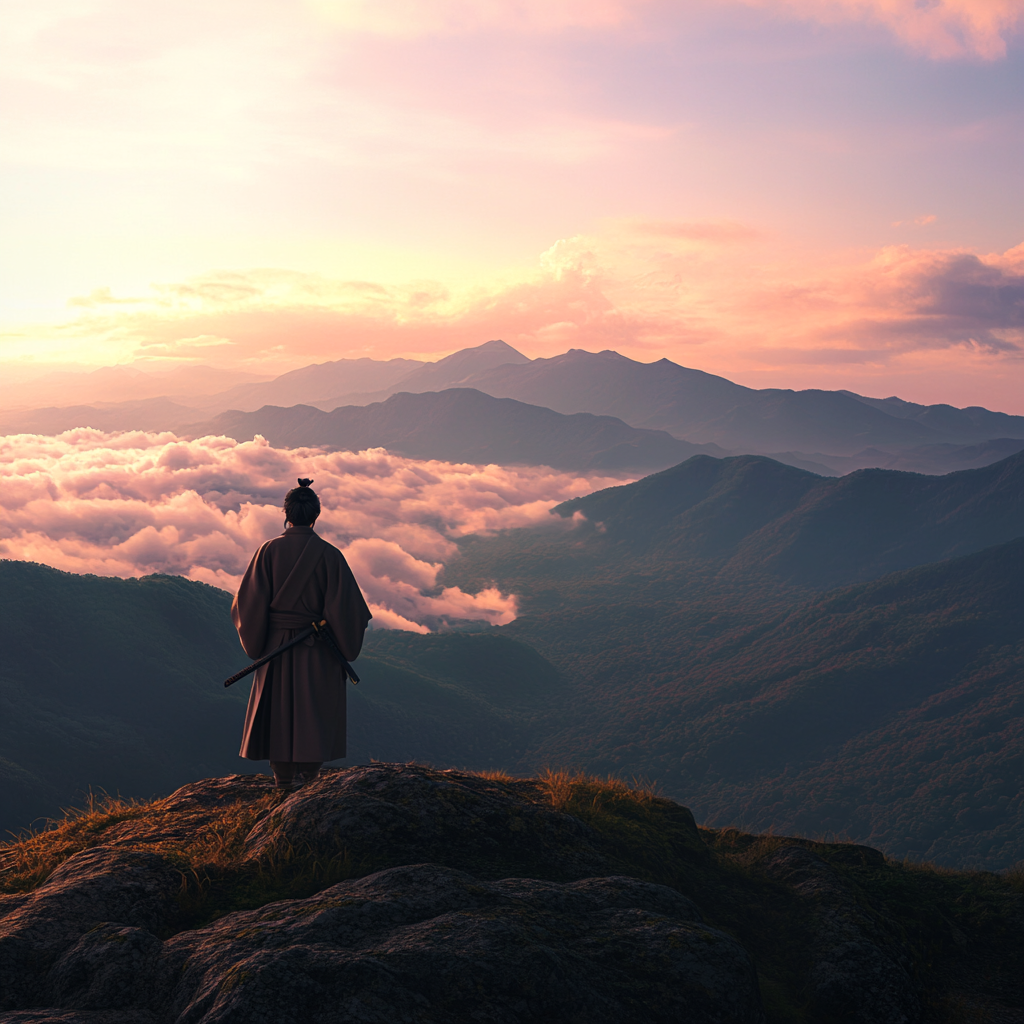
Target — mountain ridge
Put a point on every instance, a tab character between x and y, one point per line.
463	425
830	432
854	527
705	408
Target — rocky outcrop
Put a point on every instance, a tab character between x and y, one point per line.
398	893
400	814
860	971
418	943
427	943
133	888
518	920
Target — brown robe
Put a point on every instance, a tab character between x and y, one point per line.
296	706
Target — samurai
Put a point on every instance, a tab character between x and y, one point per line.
296	713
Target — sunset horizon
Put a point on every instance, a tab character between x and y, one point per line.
814	194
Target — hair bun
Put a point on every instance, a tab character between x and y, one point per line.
304	482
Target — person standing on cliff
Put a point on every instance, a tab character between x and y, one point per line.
296	713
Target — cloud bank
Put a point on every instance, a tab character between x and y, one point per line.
137	503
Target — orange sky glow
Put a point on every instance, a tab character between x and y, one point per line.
790	193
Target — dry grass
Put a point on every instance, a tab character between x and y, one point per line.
212	888
575	792
195	840
205	844
496	775
29	858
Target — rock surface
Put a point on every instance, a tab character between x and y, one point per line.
411	814
431	944
523	922
860	971
420	943
134	888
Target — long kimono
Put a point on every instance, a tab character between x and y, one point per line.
296	706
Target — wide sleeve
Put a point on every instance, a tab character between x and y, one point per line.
344	607
250	610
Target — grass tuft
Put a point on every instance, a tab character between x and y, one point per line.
32	856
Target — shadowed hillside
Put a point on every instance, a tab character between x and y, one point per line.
685	618
765	517
890	711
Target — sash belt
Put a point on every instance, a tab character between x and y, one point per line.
290	620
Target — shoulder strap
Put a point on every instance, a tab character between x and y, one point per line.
291	590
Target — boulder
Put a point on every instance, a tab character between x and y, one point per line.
383	815
861	972
433	945
133	888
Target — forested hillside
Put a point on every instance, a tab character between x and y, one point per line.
753	515
891	712
693	616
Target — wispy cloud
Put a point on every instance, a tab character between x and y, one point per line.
937	28
136	503
922	221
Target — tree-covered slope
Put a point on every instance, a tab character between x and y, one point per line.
697	655
762	517
111	683
892	712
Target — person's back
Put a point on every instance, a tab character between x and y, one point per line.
296	713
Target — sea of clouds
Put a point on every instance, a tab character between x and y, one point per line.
130	504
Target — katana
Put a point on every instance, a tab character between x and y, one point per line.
322	631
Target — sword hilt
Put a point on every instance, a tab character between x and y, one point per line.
323	629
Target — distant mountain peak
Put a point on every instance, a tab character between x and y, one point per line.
487	351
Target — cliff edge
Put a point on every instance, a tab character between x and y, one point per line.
388	893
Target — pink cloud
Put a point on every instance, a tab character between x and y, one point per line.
941	29
135	503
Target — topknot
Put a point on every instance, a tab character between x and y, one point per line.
301	505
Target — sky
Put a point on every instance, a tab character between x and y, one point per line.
790	193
